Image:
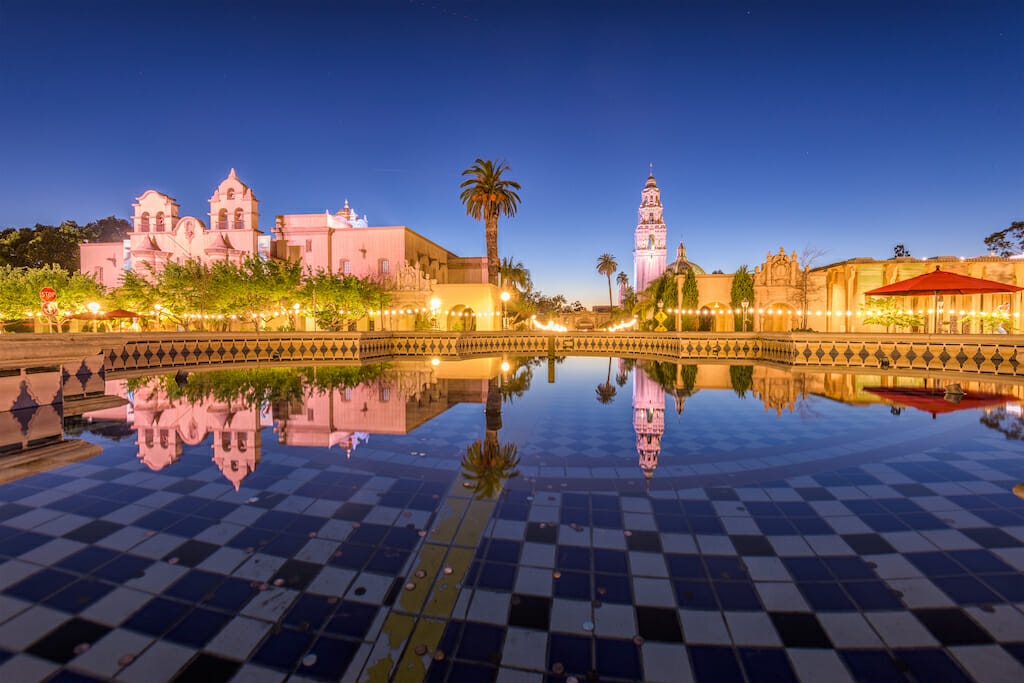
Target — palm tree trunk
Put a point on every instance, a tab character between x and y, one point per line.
610	304
491	237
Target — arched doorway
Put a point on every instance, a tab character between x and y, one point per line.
782	318
705	320
461	319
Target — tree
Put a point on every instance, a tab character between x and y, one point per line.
607	266
109	229
690	297
42	246
742	288
341	300
75	290
883	311
185	289
622	280
516	274
900	251
661	290
486	195
1009	241
808	257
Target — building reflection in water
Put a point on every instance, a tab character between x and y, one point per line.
344	407
320	407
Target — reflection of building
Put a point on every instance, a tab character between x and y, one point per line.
397	403
164	426
412	268
648	420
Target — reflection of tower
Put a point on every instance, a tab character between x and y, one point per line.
649	238
236	441
648	420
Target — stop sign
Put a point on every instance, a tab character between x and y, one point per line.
48	294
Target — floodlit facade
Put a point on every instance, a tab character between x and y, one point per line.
649	237
413	269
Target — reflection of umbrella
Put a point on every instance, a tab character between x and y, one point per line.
936	401
942	282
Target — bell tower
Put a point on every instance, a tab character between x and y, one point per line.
649	238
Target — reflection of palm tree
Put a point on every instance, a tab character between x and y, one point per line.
486	466
606	392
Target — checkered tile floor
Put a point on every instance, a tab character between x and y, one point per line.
842	546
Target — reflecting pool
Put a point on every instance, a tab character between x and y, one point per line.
515	519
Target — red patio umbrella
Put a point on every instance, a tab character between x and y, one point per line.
935	401
942	282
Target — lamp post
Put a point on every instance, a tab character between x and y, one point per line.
745	304
93	308
435	307
505	296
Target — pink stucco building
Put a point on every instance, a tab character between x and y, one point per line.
412	268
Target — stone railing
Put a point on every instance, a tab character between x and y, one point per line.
972	354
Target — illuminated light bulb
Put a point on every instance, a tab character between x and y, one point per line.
435	361
504	366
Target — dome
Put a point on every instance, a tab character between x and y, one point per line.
650	182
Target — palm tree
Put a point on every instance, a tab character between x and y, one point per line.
606	392
486	195
664	290
622	280
607	266
516	274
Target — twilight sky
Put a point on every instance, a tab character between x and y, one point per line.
845	126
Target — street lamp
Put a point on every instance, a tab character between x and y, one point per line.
435	306
505	296
745	304
93	308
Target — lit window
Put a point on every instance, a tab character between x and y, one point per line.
346	267
384	266
385	394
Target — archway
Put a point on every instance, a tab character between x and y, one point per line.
461	319
704	320
781	319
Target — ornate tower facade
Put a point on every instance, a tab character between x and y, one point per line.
648	420
649	239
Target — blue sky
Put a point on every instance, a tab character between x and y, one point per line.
846	126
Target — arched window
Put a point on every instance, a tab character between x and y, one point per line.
225	441
241	442
164	438
385	267
144	223
239	219
160	221
231	193
149	438
650	241
346	267
222	220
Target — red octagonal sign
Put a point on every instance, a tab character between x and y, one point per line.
48	294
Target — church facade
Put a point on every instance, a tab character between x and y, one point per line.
413	269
